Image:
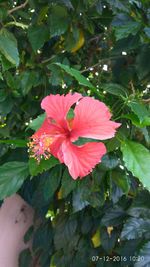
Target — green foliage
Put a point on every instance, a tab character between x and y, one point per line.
25	258
139	109
144	253
137	160
68	184
76	74
8	46
111	44
115	89
123	31
36	123
12	176
58	20
38	35
44	165
134	229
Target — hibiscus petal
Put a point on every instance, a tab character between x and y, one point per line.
82	159
57	106
49	128
46	141
92	120
56	148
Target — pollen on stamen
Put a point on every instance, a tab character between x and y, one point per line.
39	147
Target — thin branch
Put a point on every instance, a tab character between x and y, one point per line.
18	7
47	60
132	87
100	62
147	101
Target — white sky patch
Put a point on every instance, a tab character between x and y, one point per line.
121	167
105	67
124	53
64	85
32	10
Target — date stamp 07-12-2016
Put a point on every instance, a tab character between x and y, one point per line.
134	259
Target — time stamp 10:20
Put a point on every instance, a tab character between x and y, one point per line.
118	258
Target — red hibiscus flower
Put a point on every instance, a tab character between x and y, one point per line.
58	133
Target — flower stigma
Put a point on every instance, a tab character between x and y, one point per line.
39	147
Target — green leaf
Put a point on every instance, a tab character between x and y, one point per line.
123	31
42	239
135	120
28	234
28	79
38	35
78	202
137	160
144	255
113	216
36	123
114	89
3	95
141	205
12	176
121	180
84	140
1	76
147	31
135	228
52	182
64	231
67	3
142	64
8	46
70	114
115	192
6	106
68	184
16	142
108	241
35	168
76	74
58	21
3	13
139	109
108	162
25	258
6	64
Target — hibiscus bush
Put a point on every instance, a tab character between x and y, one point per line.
74	128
